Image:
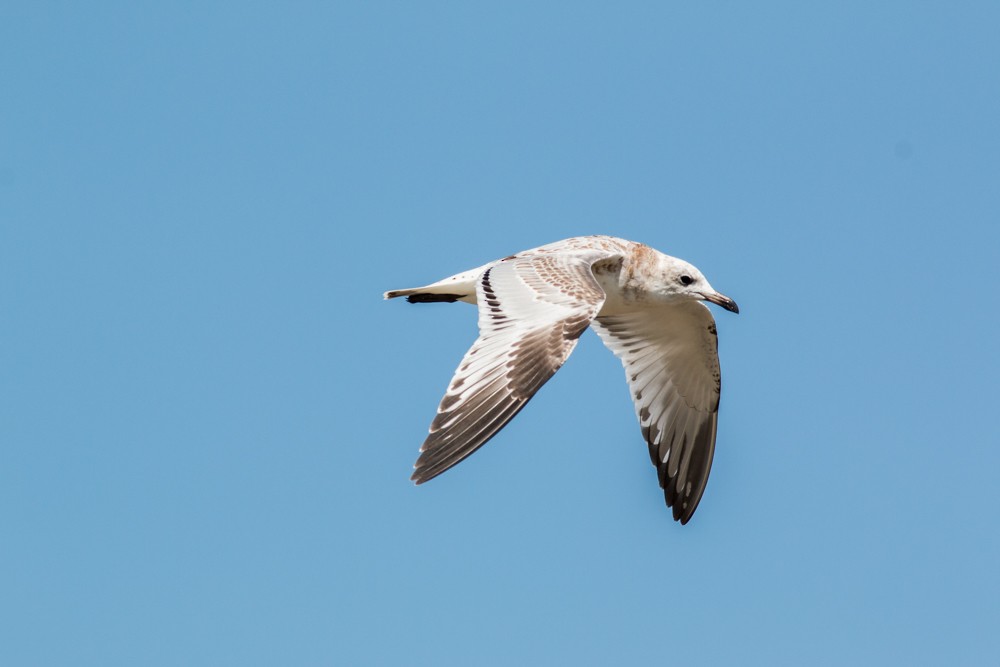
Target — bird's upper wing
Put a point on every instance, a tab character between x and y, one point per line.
532	310
671	361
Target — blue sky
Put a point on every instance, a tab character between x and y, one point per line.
208	415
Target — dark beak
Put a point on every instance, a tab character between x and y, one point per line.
724	301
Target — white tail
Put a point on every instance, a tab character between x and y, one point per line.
459	287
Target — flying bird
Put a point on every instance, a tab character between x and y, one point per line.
646	306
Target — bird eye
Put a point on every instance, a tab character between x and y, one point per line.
686	280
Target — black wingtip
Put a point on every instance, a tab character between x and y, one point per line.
681	510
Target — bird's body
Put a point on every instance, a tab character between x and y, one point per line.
534	305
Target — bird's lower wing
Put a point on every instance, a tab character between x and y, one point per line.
672	366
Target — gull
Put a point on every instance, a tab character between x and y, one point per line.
647	307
